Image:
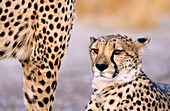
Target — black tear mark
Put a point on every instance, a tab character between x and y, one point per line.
115	66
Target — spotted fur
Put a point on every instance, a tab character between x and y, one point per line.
36	32
119	82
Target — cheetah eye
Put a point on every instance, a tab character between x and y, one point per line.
117	52
96	51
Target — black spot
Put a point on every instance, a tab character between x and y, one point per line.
51	26
10	33
53	85
48	89
153	103
35	6
32	88
42	66
3	18
143	107
52	56
56	20
32	17
55	10
114	93
26	19
51	65
14	45
23	2
146	100
47	8
35	97
41	1
6	24
51	0
120	95
39	73
16	23
2	34
59	5
111	101
97	105
107	94
160	106
49	49
127	101
63	47
43	21
50	109
58	25
28	99
134	84
40	104
29	5
41	9
138	102
119	86
48	74
8	3
62	28
131	107
15	37
29	77
90	102
63	10
149	105
65	19
0	10
42	82
127	90
61	38
138	109
21	28
147	92
39	90
56	62
51	97
25	10
61	55
55	34
50	17
52	6
44	30
45	100
17	7
56	49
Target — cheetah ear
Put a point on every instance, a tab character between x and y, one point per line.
92	39
141	44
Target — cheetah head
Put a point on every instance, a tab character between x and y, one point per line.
116	59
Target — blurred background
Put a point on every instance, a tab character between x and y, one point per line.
134	18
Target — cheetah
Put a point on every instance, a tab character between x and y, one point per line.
118	80
36	32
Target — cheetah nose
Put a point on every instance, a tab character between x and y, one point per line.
101	67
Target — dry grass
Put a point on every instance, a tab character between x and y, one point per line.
124	13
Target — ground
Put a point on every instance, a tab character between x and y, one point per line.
74	85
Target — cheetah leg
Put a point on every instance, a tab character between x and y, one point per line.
39	87
27	85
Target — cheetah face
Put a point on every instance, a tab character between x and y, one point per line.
116	58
